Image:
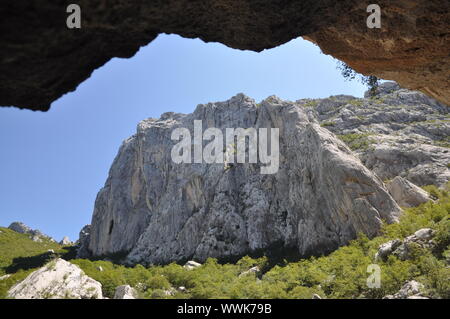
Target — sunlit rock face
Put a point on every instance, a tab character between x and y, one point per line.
396	132
41	59
158	211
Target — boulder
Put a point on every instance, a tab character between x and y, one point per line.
422	238
36	238
125	292
57	280
191	265
253	270
405	193
410	290
383	89
65	241
170	292
386	249
423	234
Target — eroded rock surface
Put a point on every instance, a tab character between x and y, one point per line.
395	133
406	194
125	292
41	59
410	290
83	242
35	234
159	211
191	265
57	280
423	238
65	241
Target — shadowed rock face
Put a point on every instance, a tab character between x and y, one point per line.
159	211
40	59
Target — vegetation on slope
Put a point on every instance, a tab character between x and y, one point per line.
342	274
355	141
19	255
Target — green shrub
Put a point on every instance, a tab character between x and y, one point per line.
341	274
325	124
357	141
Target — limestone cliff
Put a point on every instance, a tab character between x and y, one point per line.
397	132
158	211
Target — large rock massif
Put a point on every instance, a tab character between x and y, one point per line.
155	211
41	59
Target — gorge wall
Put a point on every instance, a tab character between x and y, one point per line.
41	59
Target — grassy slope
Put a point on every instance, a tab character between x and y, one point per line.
342	274
19	255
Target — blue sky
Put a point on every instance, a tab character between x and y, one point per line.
53	164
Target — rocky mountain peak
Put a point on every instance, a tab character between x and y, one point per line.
35	234
156	211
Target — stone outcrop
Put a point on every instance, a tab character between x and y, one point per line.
125	292
401	133
410	290
158	211
406	194
83	242
65	241
253	270
41	59
387	249
191	265
35	234
56	280
423	238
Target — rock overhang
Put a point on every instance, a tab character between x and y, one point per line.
41	59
